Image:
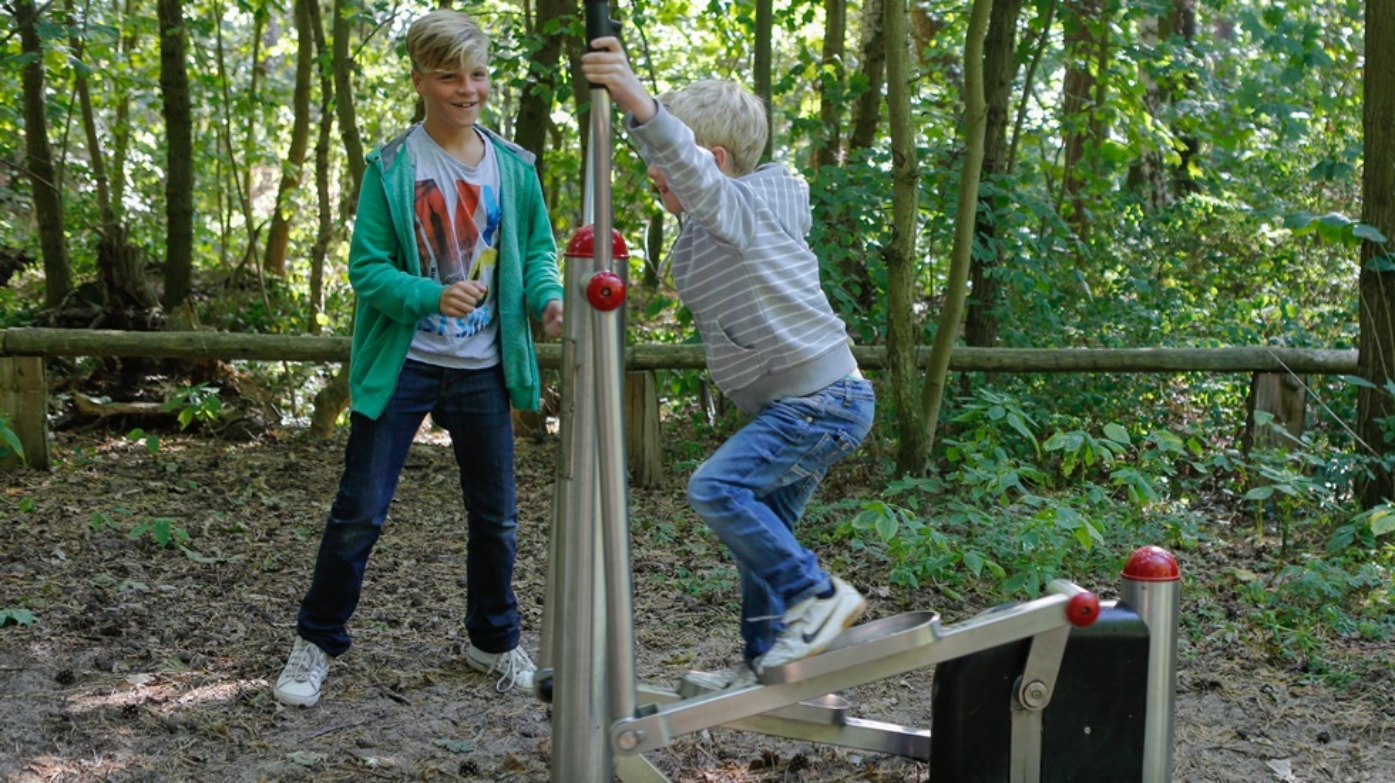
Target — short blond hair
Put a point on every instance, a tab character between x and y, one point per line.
444	40
722	114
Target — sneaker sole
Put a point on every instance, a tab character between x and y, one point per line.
295	701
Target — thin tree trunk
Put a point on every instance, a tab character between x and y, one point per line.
975	121
179	161
344	99
535	104
325	208
278	237
334	397
1086	38
765	30
1377	284
121	125
999	72
867	112
832	85
48	201
902	334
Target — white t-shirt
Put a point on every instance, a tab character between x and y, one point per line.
457	226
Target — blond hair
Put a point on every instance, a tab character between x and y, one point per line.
722	114
444	40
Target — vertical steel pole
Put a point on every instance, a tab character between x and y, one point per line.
607	342
578	709
1151	588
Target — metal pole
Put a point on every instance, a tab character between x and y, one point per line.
1151	588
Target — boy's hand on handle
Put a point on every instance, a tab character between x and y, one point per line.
607	66
552	319
460	299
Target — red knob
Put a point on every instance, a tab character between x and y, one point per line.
605	291
1082	609
1152	564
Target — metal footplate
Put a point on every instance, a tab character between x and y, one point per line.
793	700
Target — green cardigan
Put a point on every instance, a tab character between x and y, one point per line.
393	293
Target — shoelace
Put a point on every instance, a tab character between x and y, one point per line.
304	662
507	666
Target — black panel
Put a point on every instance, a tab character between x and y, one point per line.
1093	726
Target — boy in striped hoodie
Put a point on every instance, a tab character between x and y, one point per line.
774	347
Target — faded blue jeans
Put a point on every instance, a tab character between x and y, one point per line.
473	406
752	491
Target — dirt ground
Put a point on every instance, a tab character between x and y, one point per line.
153	664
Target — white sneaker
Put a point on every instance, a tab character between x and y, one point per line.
738	676
515	668
299	683
812	624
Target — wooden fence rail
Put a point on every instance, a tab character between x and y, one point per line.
23	389
308	348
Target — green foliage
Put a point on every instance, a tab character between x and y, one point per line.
9	439
150	440
161	530
199	403
17	617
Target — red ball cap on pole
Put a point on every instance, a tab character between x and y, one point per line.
1152	564
583	244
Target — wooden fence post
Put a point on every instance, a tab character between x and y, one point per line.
24	398
1283	395
642	437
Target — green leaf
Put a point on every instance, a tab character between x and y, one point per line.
1300	223
1385	263
1369	233
17	616
886	526
1383	522
1260	493
1116	433
456	746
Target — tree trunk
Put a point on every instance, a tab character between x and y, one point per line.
179	161
344	100
278	237
999	72
902	334
325	208
975	120
867	113
1377	282
544	80
1183	25
765	30
334	397
48	201
121	126
832	86
1147	175
1087	39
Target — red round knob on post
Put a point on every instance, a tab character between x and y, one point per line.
605	291
583	243
1082	609
1152	564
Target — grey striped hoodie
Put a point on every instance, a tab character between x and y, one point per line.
744	269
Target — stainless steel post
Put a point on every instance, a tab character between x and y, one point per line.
1151	588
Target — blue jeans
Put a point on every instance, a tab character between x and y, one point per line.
753	490
473	406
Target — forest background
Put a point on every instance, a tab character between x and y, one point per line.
1168	173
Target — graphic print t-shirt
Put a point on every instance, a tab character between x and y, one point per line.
457	227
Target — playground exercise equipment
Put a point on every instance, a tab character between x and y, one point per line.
1064	687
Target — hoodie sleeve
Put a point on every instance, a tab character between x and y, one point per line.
381	269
